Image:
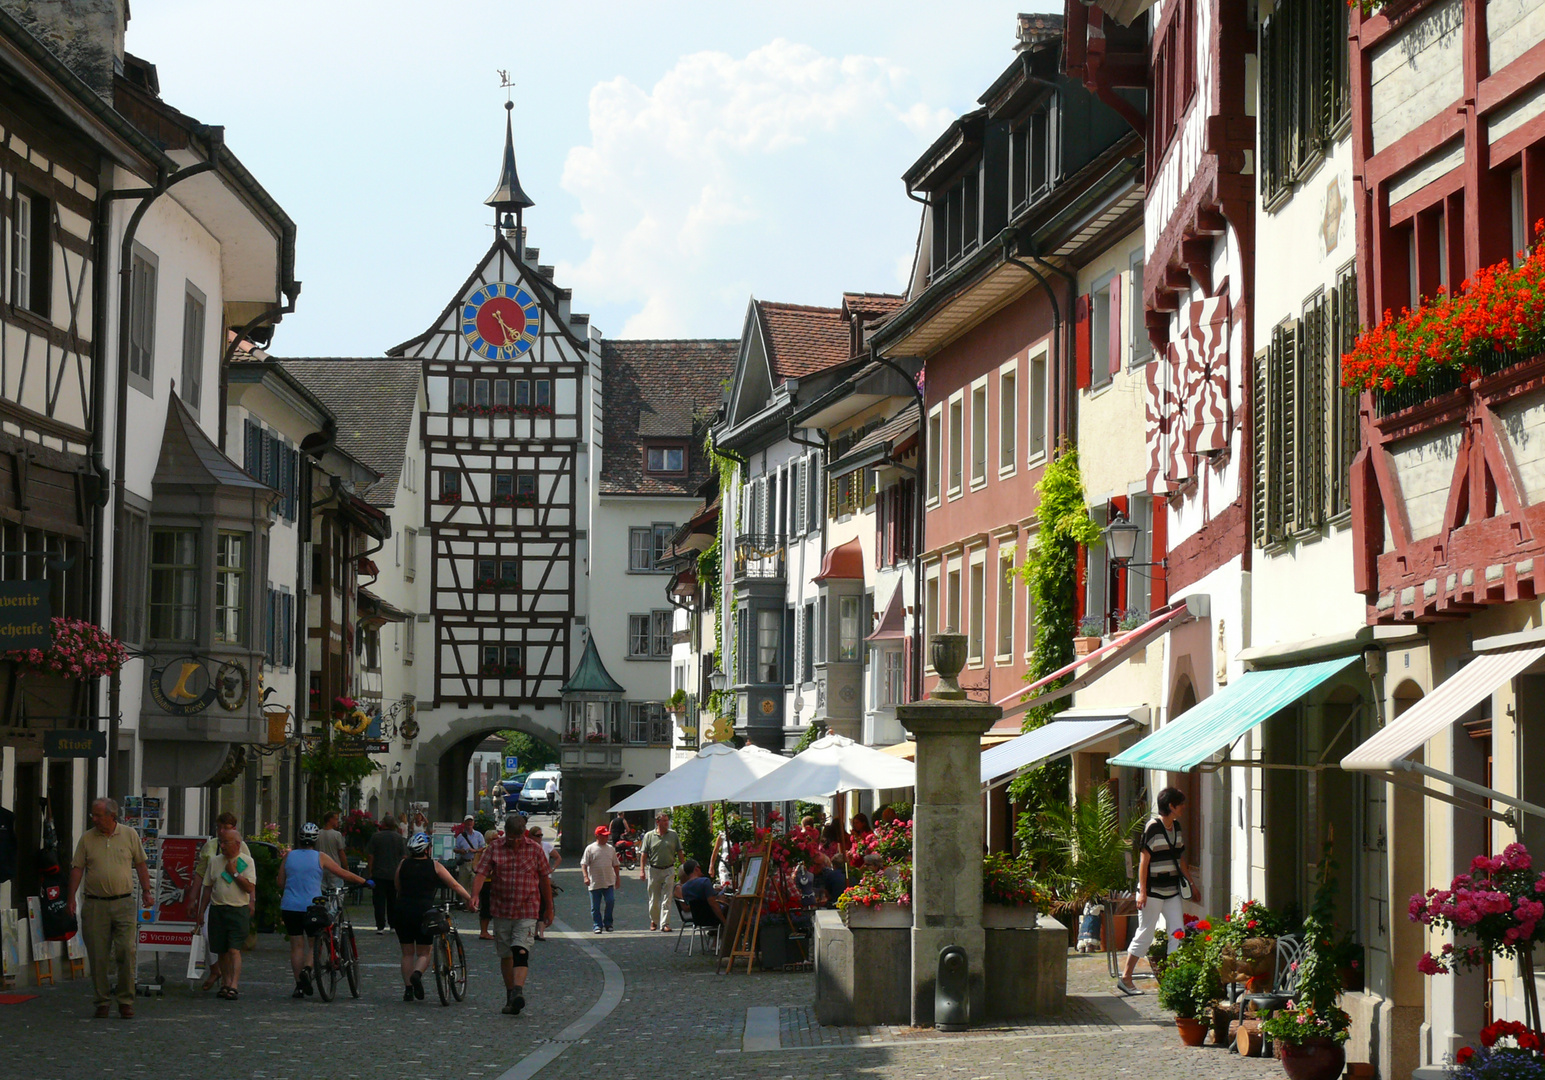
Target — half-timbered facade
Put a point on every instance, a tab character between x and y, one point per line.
1448	138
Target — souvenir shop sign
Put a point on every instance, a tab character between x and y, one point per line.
24	615
188	685
68	743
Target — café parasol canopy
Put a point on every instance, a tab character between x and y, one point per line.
716	773
832	764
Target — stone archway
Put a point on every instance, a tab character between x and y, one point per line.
442	759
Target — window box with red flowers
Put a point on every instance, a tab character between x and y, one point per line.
534	410
521	500
461	408
485	584
450	496
1494	321
80	650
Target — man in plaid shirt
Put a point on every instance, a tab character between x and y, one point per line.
521	896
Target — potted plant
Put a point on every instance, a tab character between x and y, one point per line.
1130	619
1347	956
1010	898
1244	945
1188	988
1091	630
878	901
677	703
1310	1033
1079	851
1496	1060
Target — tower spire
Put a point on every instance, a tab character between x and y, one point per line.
509	196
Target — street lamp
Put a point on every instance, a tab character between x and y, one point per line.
1121	538
719	680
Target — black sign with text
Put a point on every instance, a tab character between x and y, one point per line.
65	744
24	615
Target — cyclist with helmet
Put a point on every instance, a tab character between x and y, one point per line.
300	876
418	877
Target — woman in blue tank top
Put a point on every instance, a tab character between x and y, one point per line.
300	876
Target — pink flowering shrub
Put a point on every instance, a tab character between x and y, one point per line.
1500	903
81	650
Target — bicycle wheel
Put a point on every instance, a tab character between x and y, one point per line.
458	957
324	967
442	966
348	951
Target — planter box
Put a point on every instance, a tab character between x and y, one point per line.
1026	971
1004	917
863	976
1083	646
879	917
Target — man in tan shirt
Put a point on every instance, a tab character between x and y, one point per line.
107	858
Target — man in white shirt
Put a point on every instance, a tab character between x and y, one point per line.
468	847
602	871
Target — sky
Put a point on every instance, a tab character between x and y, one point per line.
682	156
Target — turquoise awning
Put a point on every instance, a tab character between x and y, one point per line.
1219	721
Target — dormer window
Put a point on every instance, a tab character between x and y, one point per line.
957	220
671	459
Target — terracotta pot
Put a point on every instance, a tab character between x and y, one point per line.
1192	1032
1083	646
1312	1059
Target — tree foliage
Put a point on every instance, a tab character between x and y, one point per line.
530	752
691	825
1078	850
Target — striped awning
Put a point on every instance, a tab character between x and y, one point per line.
1221	720
1070	732
1435	713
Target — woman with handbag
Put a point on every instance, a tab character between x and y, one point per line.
418	878
1163	883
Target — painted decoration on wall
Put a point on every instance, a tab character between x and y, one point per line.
1187	411
500	321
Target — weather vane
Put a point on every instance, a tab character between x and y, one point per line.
505	83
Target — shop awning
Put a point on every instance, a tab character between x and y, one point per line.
1106	657
1387	753
907	749
1069	733
1221	720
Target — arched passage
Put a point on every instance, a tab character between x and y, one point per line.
443	758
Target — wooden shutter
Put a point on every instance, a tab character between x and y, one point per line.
254	451
1081	341
1345	436
1311	351
1260	441
1114	322
1285	419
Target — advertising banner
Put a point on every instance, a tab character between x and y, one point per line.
171	924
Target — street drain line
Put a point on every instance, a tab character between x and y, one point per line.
606	1004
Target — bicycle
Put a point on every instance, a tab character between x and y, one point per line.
447	957
334	951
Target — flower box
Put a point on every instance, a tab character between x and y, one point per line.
1009	917
1084	645
886	916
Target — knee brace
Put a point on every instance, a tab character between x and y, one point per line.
522	957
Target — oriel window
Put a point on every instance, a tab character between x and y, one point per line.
232	550
174	584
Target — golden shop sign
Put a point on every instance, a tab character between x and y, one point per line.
188	685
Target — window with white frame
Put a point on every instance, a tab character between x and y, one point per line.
930	612
1008	418
649	635
641	549
1035	416
848	634
979	434
638	636
409	635
31	252
410	553
1101	334
142	319
231	586
660	638
952	600
769	645
891	689
1142	348
978	611
957	446
935	451
1005	613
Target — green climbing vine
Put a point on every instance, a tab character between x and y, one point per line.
1050	573
710	565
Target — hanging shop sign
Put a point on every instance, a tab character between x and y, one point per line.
188	685
24	615
74	744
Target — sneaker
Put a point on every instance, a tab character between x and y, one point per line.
417	985
300	989
517	1002
598	930
608	929
380	930
305	981
1128	989
509	1004
407	993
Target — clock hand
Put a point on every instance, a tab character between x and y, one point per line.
510	336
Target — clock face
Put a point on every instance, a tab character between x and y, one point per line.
500	321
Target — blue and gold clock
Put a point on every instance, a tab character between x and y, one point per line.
500	321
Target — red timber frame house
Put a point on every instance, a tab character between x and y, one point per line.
1448	103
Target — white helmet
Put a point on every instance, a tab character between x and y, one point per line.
309	833
419	844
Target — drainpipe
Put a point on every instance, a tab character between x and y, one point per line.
1070	396
164	183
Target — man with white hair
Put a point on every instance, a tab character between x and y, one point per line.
107	859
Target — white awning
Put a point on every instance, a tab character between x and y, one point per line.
1072	731
1438	711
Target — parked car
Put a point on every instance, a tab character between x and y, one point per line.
541	794
512	788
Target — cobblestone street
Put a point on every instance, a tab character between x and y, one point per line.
675	1018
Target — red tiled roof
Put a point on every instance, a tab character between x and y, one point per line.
658	390
802	340
871	304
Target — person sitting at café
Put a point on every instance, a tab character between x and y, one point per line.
708	906
829	881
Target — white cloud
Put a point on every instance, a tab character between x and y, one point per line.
731	176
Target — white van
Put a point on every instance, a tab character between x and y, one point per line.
541	794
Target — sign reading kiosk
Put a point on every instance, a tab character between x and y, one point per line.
24	615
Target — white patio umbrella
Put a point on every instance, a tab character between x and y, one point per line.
832	763
716	773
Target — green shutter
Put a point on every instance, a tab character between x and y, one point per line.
1311	374
1260	426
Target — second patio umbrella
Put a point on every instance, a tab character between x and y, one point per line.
832	763
716	773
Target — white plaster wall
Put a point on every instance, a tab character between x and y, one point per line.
1112	447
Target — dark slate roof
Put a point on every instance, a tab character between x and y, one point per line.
803	340
658	390
188	456
374	400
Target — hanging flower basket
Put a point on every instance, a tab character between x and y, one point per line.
81	650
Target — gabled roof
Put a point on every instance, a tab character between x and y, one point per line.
375	401
657	390
870	305
802	340
591	676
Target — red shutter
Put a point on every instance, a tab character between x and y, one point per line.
1115	325
1080	573
1081	341
1159	581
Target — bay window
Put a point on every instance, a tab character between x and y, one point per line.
231	558
174	584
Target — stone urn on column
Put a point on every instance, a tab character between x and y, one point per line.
947	829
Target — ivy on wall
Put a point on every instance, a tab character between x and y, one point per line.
710	567
1050	573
